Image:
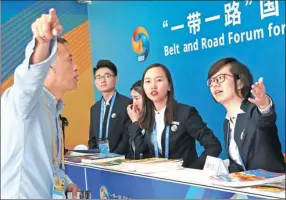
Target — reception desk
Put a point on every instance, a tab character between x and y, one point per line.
104	182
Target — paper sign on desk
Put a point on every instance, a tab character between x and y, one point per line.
215	166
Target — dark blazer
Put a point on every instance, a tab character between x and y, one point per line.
182	142
118	126
257	140
133	153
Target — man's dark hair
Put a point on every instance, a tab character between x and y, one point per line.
105	63
238	70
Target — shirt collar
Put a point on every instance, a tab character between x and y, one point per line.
239	112
161	112
107	102
52	102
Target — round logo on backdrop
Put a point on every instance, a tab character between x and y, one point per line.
103	193
140	43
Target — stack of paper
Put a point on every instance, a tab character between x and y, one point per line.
271	187
154	165
248	178
72	154
102	157
90	158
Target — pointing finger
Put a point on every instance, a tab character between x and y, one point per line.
52	16
260	80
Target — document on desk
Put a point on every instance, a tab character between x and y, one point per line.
72	154
277	189
102	159
187	175
150	167
248	178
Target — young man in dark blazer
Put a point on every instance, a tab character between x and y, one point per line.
108	116
251	135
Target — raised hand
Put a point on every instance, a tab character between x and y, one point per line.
133	113
260	98
46	27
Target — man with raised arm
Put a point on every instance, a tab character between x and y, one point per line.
31	137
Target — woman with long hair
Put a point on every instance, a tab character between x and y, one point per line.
134	111
170	128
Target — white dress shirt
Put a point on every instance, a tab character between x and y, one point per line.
160	125
233	149
26	132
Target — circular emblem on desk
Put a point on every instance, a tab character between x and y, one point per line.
113	115
103	193
174	128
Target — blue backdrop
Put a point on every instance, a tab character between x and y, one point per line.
251	31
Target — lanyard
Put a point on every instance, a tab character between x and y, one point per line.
166	141
108	117
55	151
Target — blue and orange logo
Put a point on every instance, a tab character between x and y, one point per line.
103	193
140	43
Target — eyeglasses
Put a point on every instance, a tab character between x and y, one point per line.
105	76
218	79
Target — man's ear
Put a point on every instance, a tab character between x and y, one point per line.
116	79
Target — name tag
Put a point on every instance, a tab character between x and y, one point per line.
59	188
215	166
104	146
175	123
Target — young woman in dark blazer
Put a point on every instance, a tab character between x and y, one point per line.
134	111
169	129
251	135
